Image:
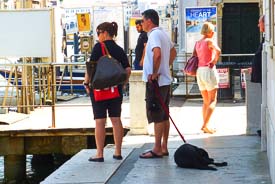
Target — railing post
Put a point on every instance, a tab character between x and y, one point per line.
53	94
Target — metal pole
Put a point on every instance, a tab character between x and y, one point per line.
53	95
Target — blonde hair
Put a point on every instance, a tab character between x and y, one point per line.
207	28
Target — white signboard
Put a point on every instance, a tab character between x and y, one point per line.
166	24
133	33
194	19
25	33
109	14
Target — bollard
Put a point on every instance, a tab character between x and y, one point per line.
138	122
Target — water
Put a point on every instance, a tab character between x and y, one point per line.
36	172
1	169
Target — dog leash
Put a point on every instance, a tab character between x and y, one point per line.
165	108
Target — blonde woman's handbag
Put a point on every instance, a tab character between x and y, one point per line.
109	72
191	66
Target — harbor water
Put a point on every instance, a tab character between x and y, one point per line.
36	172
1	169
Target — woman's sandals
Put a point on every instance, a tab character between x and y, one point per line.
208	131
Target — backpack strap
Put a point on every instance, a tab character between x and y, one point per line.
103	47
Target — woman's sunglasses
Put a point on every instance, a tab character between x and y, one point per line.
98	32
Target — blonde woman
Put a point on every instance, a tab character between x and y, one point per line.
208	53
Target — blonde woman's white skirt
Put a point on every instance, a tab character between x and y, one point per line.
207	78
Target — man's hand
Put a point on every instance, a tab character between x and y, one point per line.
153	76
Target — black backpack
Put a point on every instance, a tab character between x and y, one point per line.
189	156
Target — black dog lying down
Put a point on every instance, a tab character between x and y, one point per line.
189	156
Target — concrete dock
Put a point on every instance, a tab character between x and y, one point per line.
246	162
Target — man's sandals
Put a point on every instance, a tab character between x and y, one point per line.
149	154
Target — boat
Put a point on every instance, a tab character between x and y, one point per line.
65	83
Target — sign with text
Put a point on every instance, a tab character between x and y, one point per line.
133	33
109	14
70	18
166	24
194	19
224	81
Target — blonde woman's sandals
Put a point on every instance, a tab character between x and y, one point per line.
208	131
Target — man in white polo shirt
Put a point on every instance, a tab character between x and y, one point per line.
159	55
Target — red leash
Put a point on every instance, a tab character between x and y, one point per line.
165	108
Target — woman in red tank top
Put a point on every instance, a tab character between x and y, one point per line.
208	53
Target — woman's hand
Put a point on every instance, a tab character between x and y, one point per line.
88	90
87	87
211	65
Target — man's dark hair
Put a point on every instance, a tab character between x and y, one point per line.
138	22
153	15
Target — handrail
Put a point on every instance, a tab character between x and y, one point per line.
6	59
248	54
235	55
185	56
44	64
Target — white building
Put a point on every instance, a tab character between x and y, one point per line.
268	86
248	29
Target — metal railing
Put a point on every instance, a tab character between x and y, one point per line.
28	85
230	59
31	85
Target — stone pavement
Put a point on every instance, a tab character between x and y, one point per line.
246	163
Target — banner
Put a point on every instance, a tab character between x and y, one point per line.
84	22
224	81
194	19
70	18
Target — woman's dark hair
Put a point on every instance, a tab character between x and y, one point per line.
153	15
110	27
